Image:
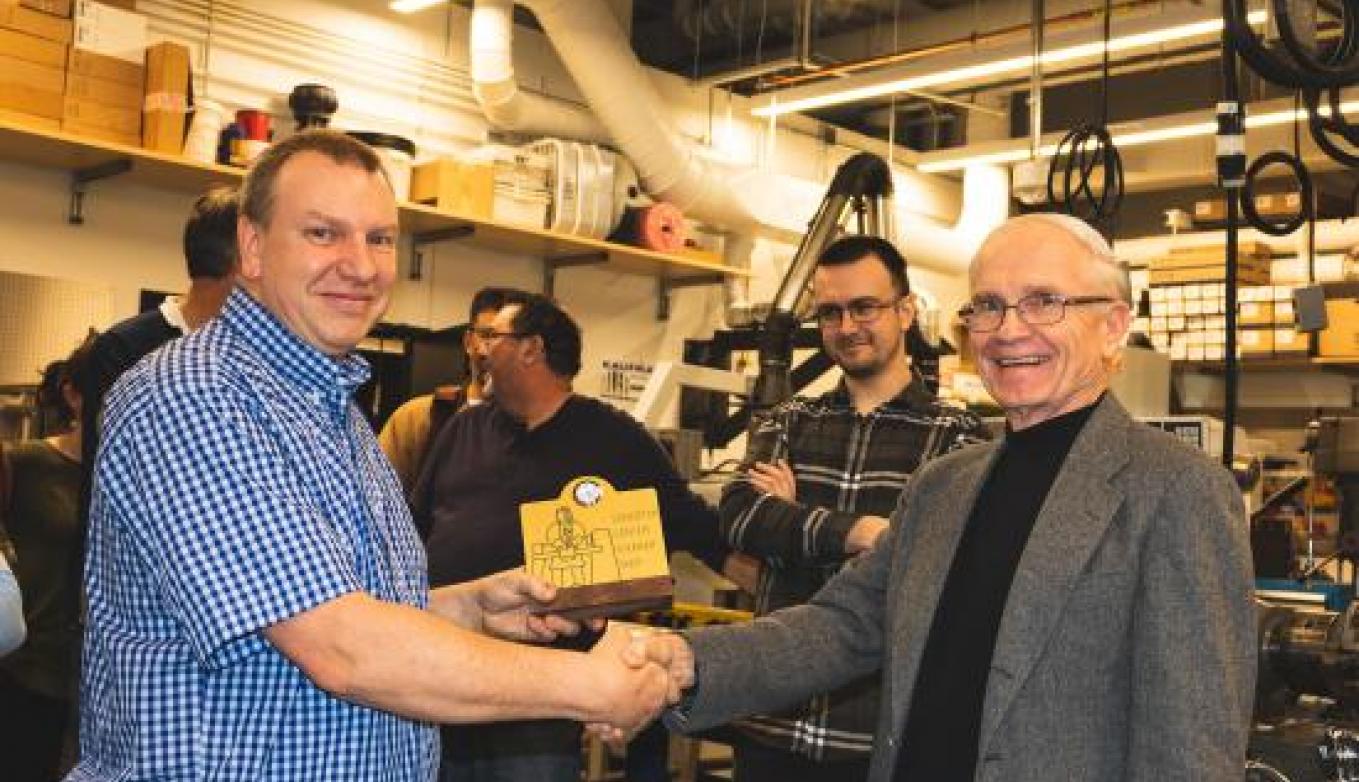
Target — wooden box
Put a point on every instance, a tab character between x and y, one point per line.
458	188
166	97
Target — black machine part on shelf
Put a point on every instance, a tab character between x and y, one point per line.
313	105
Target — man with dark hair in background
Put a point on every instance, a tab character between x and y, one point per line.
210	255
836	466
533	437
407	435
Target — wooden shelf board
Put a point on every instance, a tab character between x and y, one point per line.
417	218
55	149
1346	365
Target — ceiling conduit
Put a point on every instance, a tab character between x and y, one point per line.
596	53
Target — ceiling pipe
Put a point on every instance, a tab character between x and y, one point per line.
595	51
505	106
740	199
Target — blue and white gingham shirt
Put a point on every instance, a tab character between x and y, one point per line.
237	485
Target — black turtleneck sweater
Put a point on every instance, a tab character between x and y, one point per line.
939	742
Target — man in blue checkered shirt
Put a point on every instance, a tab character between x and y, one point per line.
258	602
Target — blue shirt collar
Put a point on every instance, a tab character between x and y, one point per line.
289	355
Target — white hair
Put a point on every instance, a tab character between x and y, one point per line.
1113	272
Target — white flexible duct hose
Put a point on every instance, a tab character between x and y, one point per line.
495	89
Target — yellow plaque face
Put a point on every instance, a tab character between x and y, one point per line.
592	534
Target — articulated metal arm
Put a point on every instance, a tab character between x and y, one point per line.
862	187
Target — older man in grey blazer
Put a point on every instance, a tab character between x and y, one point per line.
1072	602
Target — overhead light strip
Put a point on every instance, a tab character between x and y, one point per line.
1124	140
411	6
823	96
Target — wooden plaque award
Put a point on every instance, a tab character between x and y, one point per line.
602	548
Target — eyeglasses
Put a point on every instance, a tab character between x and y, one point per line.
860	311
491	335
987	313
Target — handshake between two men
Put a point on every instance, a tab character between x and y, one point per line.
620	686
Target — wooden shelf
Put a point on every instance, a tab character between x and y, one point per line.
1341	365
86	157
55	149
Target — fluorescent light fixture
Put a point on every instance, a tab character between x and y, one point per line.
1016	150
411	6
1140	34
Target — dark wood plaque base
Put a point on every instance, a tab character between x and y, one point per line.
616	598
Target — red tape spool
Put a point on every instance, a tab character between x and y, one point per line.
660	227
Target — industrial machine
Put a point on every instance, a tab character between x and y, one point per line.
1307	692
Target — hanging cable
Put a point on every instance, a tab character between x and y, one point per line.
1296	67
1289	224
1082	152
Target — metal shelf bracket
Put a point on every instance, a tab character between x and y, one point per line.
81	177
552	265
664	287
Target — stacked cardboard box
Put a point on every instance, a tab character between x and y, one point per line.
1266	311
33	46
1208	264
1340	339
58	8
105	79
1189	322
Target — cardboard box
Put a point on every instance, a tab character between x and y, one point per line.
1291	343
1283	313
87	63
1210	211
87	113
25	99
24	119
101	133
109	31
31	48
166	99
109	93
1245	275
1256	313
61	8
1256	343
1340	338
14	16
458	188
39	77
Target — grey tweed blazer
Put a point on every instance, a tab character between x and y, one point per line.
1127	647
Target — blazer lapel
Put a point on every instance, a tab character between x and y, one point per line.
938	526
1078	509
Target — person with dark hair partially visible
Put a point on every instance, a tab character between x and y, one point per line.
406	436
533	437
822	496
210	256
40	514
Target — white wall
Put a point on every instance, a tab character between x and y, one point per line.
406	75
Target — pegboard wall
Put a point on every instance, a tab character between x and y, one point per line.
42	319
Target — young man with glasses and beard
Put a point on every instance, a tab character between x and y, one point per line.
838	466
